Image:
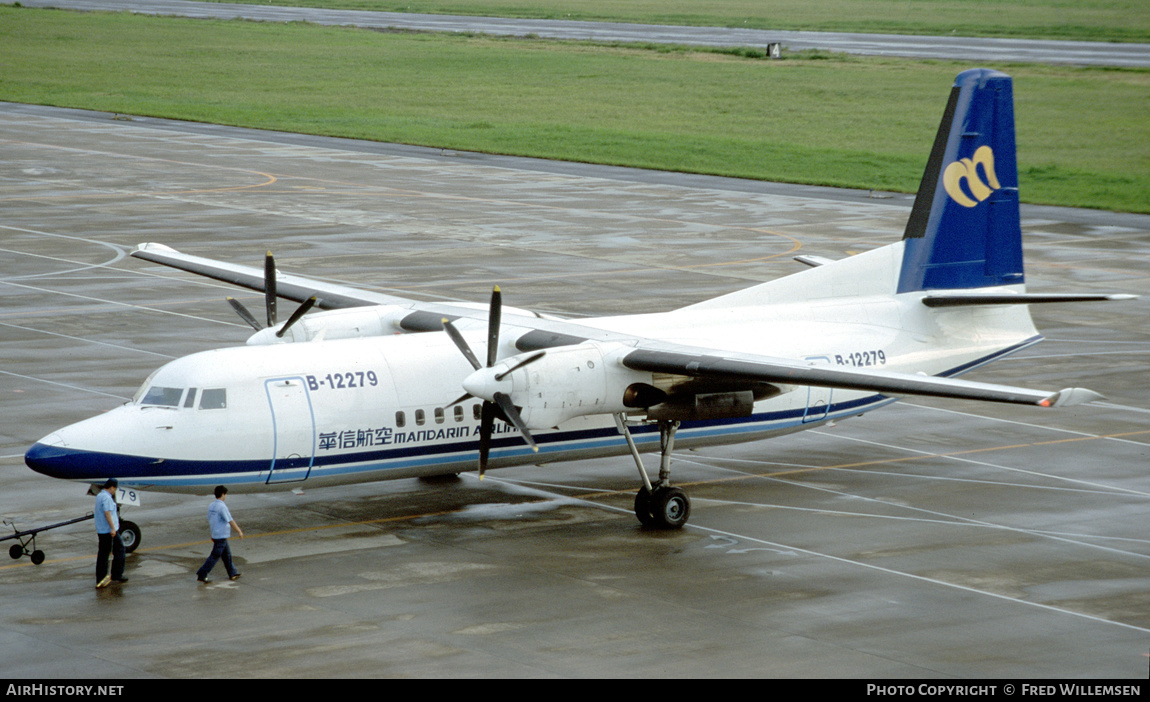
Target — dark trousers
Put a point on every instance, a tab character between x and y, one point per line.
220	549
115	547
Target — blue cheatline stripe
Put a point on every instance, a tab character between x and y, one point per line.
90	465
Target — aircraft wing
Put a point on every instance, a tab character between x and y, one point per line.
330	296
648	354
422	316
715	365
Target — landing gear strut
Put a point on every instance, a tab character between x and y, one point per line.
658	505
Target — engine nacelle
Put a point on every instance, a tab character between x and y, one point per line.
350	323
373	320
567	382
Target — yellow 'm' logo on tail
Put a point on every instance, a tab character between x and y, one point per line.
967	169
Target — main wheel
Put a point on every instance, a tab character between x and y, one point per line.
130	535
670	508
643	508
16	551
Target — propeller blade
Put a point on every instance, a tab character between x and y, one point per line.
525	362
493	319
502	405
270	288
295	316
486	427
243	313
461	343
466	396
505	404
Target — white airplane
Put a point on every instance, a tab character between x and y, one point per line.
376	387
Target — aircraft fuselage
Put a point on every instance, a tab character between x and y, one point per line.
357	410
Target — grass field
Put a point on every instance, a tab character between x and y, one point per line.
866	123
1088	20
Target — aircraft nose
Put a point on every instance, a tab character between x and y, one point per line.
50	456
56	457
90	451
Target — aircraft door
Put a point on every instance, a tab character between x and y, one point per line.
293	427
818	404
818	399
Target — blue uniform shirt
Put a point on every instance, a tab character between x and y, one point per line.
106	503
219	519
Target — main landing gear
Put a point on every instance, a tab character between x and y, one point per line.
658	505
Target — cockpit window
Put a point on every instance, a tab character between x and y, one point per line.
147	383
214	399
164	397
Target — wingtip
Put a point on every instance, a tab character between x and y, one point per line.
152	247
1069	397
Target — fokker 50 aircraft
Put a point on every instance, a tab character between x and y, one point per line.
373	387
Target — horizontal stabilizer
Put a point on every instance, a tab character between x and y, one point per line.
813	261
965	299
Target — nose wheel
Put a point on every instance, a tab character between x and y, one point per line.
658	505
130	536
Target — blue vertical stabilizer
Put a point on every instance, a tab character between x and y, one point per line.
964	229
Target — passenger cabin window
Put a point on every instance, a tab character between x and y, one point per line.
163	397
420	417
439	415
214	399
400	419
459	413
477	411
